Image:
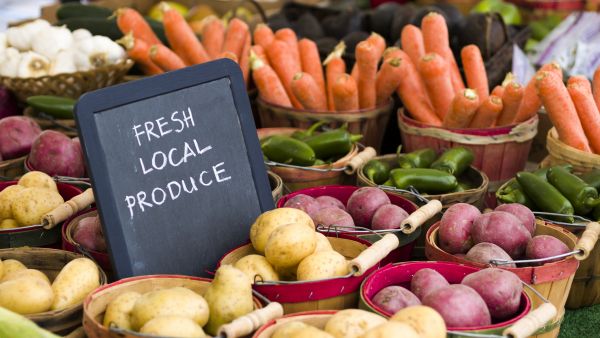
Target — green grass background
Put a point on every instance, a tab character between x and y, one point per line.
581	323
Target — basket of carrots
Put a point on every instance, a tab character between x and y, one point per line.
441	112
295	90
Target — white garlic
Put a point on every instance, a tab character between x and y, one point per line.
9	65
21	37
52	40
33	64
81	34
64	62
100	51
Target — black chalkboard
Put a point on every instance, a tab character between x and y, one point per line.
176	167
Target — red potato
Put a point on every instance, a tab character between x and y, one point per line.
303	202
484	252
388	216
17	134
88	234
425	281
500	289
395	298
364	202
502	229
328	201
77	144
333	216
56	154
543	246
522	213
459	305
455	228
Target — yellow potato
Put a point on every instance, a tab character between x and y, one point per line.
26	295
267	222
287	329
323	243
257	268
310	332
38	179
1	269
352	323
9	223
12	265
26	273
425	320
177	301
6	198
173	326
391	330
30	204
117	312
321	265
290	244
74	282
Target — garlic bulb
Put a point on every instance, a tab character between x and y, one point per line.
64	62
21	37
9	64
82	61
52	40
33	64
100	51
81	34
3	42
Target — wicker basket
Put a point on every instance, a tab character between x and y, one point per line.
69	244
70	85
560	153
11	169
50	262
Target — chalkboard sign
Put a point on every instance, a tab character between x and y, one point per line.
176	167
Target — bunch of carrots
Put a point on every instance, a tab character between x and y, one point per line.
153	57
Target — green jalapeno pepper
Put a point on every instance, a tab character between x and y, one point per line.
332	143
388	183
512	192
583	197
425	180
421	158
544	195
304	134
58	107
377	171
319	162
454	161
284	149
592	178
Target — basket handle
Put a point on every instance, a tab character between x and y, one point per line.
250	322
420	216
373	254
360	159
532	322
68	209
587	241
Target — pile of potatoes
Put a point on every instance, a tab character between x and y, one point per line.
507	233
411	322
25	203
290	249
28	291
181	312
367	207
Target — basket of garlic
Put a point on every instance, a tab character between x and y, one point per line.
39	59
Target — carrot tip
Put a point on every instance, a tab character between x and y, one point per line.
153	50
470	94
389	50
337	52
395	62
297	76
495	99
163	6
510	77
429	57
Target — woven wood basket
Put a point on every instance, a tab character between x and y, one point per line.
69	244
13	168
560	153
585	290
50	262
317	319
70	85
276	185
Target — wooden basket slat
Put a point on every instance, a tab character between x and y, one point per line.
13	168
276	185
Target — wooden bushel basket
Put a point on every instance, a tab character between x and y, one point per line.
560	153
50	262
69	244
13	168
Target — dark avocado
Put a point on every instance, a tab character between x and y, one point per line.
402	17
307	26
352	39
486	30
381	19
278	21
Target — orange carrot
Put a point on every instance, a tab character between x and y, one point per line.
282	61
413	94
498	91
334	67
580	90
488	112
354	72
367	60
596	86
182	39
311	62
228	55
213	34
165	58
388	79
307	91
345	93
235	37
531	103
392	53
131	21
245	58
463	107
379	45
475	71
436	40
561	110
270	88
260	52
138	50
412	42
435	74
288	36
513	94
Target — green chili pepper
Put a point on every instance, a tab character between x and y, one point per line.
544	195
58	107
377	171
454	161
583	197
304	134
332	143
421	158
512	192
592	178
424	180
388	183
319	162
284	149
